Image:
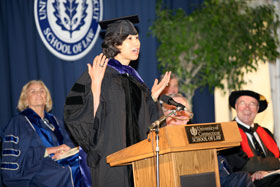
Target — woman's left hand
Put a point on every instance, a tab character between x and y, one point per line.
159	87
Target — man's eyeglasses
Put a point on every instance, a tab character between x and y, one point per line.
186	112
252	105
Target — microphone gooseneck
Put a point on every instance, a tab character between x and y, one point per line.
168	100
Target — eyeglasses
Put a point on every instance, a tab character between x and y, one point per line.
186	112
251	105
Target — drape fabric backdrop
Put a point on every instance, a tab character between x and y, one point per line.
24	57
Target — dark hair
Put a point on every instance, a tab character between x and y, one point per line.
116	33
110	43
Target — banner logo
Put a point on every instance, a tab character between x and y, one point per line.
68	28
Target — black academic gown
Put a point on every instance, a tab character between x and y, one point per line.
239	161
125	111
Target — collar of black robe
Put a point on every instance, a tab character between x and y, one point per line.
35	119
122	69
251	130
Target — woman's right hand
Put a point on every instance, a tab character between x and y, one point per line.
96	72
58	150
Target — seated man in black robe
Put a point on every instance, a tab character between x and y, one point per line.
258	153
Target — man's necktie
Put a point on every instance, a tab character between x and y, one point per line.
258	148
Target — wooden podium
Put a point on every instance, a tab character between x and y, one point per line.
185	151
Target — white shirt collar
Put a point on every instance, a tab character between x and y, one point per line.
243	124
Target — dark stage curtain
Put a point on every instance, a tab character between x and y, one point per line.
23	56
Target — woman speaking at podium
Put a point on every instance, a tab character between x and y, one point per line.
110	107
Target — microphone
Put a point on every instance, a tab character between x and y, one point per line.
156	124
168	100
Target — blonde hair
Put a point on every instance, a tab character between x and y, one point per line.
22	104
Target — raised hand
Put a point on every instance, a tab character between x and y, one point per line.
96	72
159	87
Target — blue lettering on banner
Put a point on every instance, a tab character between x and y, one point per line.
68	28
